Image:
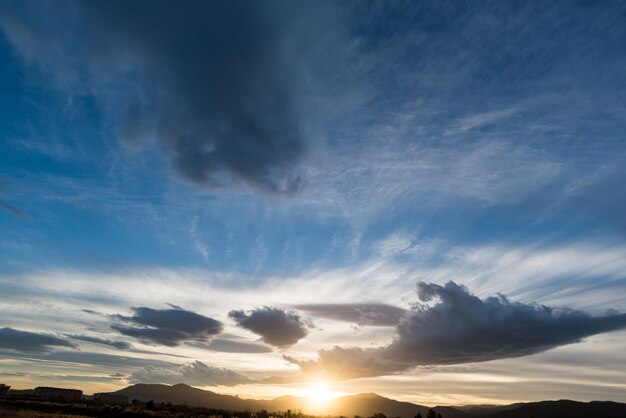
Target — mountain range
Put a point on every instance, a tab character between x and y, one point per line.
367	404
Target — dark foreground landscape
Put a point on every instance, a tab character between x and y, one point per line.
181	400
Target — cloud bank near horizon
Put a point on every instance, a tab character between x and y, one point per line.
452	326
196	373
449	326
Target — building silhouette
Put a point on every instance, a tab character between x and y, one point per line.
58	393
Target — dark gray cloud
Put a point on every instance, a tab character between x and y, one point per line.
275	326
196	374
211	82
168	327
27	341
89	311
462	328
377	314
120	345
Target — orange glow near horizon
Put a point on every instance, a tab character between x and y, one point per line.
318	393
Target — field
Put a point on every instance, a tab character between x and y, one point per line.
47	409
17	412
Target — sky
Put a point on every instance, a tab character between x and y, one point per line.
419	199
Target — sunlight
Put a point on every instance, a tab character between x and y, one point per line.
318	393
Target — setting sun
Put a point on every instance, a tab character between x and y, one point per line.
319	393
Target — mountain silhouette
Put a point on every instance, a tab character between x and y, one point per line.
367	404
364	404
561	409
183	394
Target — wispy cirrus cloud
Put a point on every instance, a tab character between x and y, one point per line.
481	119
226	345
376	314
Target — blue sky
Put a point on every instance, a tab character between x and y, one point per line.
306	152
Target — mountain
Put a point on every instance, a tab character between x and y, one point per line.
182	394
562	409
366	404
363	404
484	410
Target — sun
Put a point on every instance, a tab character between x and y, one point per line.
318	393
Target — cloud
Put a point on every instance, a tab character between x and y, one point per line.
349	363
168	327
120	345
376	314
215	89
462	328
229	346
480	120
275	326
80	378
15	211
91	311
13	374
14	339
72	357
196	374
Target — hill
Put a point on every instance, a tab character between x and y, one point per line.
366	404
363	404
182	394
562	409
